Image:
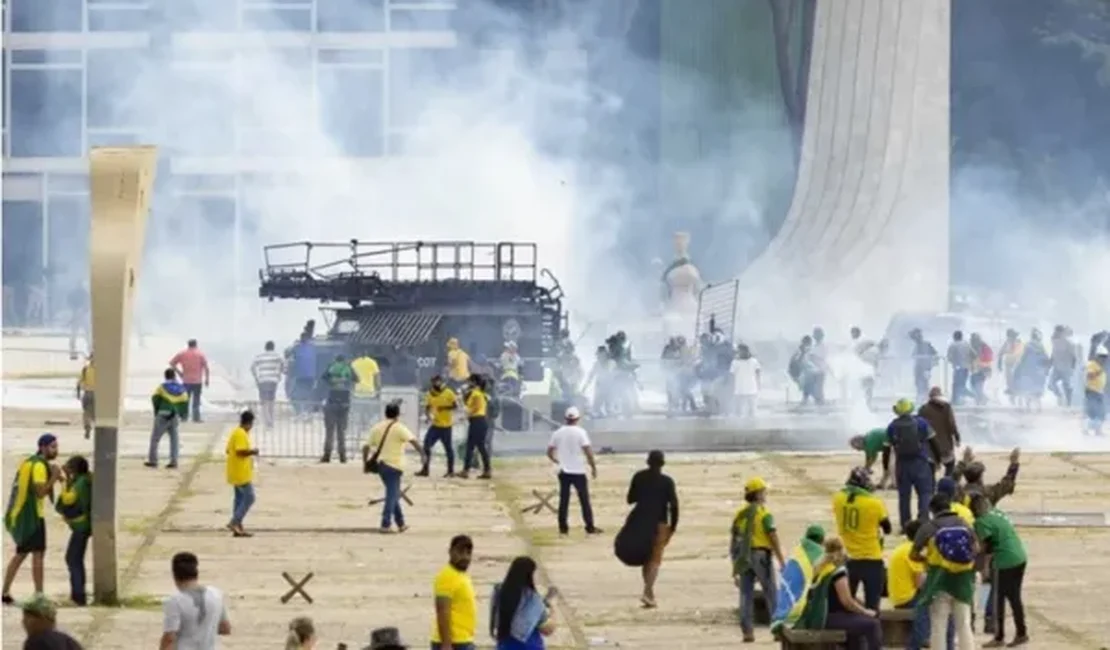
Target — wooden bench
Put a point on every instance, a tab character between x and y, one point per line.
897	626
813	639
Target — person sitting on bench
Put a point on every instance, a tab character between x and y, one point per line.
831	605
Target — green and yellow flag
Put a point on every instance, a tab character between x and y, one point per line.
24	508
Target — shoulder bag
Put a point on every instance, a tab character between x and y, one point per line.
372	465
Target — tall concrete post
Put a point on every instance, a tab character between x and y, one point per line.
121	183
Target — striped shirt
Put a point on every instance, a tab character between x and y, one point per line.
267	368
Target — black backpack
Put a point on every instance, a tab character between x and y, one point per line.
907	437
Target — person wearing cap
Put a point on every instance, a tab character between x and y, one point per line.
40	619
25	516
440	403
905	579
914	445
456	607
1094	395
386	638
938	413
862	520
570	450
754	539
655	492
75	505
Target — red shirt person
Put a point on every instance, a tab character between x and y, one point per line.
192	366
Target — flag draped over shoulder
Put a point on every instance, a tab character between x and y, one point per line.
22	516
795	580
171	398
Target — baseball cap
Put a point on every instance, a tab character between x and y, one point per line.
39	606
947	485
755	485
47	439
573	413
816	533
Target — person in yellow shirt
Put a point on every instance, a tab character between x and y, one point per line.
905	578
240	472
1094	403
458	364
86	393
861	521
25	516
477	430
440	403
386	445
456	608
753	541
365	394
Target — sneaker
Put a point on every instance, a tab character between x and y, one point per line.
423	472
325	459
485	475
150	465
447	475
1019	641
594	531
171	466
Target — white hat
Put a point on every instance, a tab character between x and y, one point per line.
1102	351
573	414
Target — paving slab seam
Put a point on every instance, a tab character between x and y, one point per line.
507	494
1075	462
103	617
818	488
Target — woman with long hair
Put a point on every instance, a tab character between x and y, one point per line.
519	616
302	634
832	606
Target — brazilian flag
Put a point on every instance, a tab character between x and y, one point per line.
22	517
170	398
795	579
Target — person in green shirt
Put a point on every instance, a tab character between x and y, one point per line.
75	505
1007	561
873	444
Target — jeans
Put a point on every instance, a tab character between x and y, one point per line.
940	610
1059	382
1094	408
162	426
762	570
862	631
75	562
194	390
431	438
978	384
1007	589
959	384
477	431
922	626
241	503
335	429
391	506
872	575
582	487
913	475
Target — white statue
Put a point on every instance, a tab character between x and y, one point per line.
681	284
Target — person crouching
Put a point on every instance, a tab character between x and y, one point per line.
477	431
75	505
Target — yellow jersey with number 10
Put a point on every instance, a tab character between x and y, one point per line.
857	522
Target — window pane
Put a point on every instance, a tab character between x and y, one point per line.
420	20
280	97
350	15
46	113
414	77
119	20
113	77
68	246
278	20
22	262
208	127
46	15
351	109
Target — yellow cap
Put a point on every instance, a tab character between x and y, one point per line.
756	484
903	407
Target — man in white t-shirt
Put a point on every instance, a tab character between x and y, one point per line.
570	450
195	615
747	375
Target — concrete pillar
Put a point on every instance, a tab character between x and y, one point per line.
121	183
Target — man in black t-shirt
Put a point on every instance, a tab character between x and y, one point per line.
655	492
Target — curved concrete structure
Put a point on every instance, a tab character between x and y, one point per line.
867	231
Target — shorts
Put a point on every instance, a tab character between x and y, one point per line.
267	392
36	543
662	538
88	404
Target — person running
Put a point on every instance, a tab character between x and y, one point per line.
440	403
267	370
754	541
75	505
86	394
25	518
905	579
570	450
862	520
655	492
948	547
873	444
1008	559
240	472
195	615
915	446
477	428
171	407
456	608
